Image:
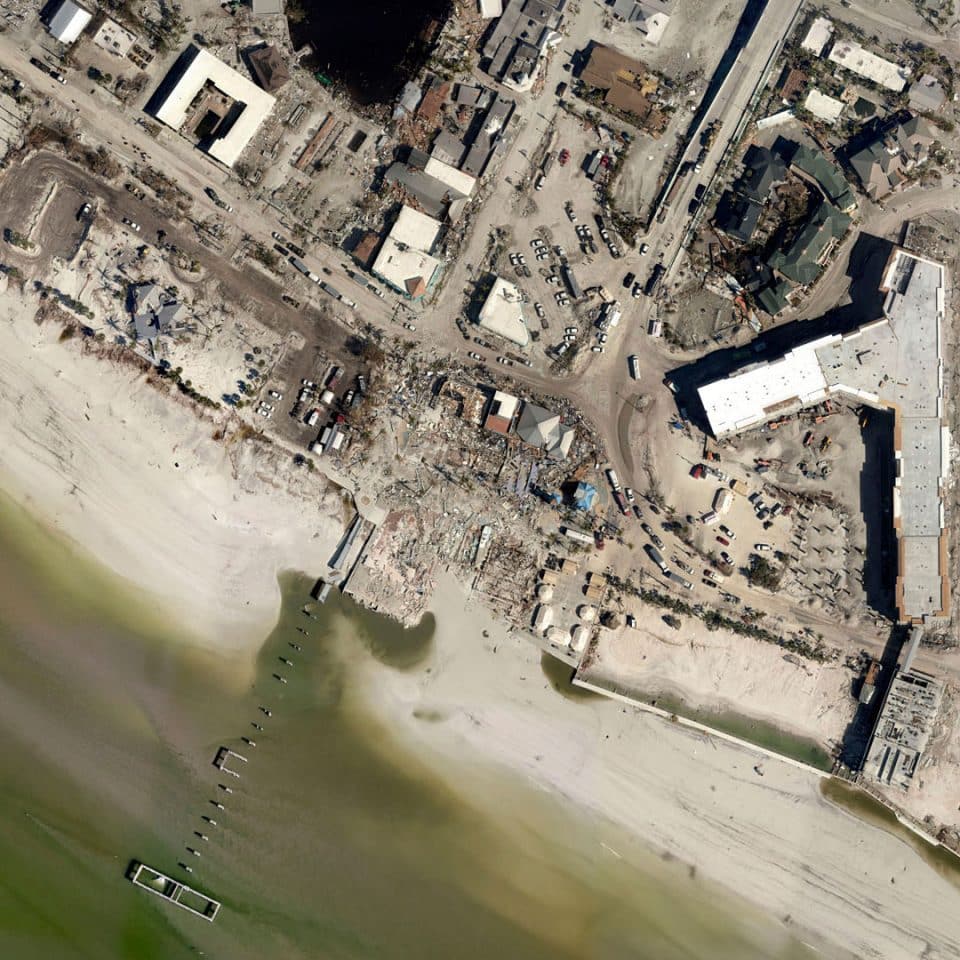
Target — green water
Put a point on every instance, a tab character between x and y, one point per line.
335	843
868	808
745	728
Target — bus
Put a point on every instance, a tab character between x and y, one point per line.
634	362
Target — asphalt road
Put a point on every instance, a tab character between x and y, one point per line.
103	121
249	287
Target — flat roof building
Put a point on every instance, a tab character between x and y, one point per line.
893	363
68	21
818	36
211	104
405	260
927	94
114	39
851	56
503	408
903	729
823	107
502	313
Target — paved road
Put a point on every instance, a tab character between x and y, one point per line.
104	121
245	286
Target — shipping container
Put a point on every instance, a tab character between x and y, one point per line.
722	501
575	290
654	554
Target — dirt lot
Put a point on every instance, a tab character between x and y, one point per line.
692	44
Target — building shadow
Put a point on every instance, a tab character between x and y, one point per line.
868	257
876	506
856	737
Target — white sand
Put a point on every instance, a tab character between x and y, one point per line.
720	670
135	478
92	450
773	840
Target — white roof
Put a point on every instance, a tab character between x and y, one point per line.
415	229
404	260
456	179
113	38
502	313
263	8
849	54
651	22
824	107
746	399
504	405
818	36
204	68
490	9
68	22
894	362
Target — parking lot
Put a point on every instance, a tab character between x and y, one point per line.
565	262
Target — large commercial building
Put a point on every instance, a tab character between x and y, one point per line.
405	260
502	312
903	729
68	21
895	363
210	104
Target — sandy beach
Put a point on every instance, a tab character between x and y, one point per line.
133	476
138	481
848	887
720	671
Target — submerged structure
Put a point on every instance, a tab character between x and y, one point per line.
173	891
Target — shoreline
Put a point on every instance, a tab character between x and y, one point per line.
163	509
201	528
685	793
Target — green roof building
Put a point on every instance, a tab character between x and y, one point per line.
801	260
815	165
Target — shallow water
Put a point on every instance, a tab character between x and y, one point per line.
335	842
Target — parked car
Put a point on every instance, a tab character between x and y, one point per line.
697	471
723	540
628	280
644	249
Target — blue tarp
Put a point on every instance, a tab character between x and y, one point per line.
584	496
